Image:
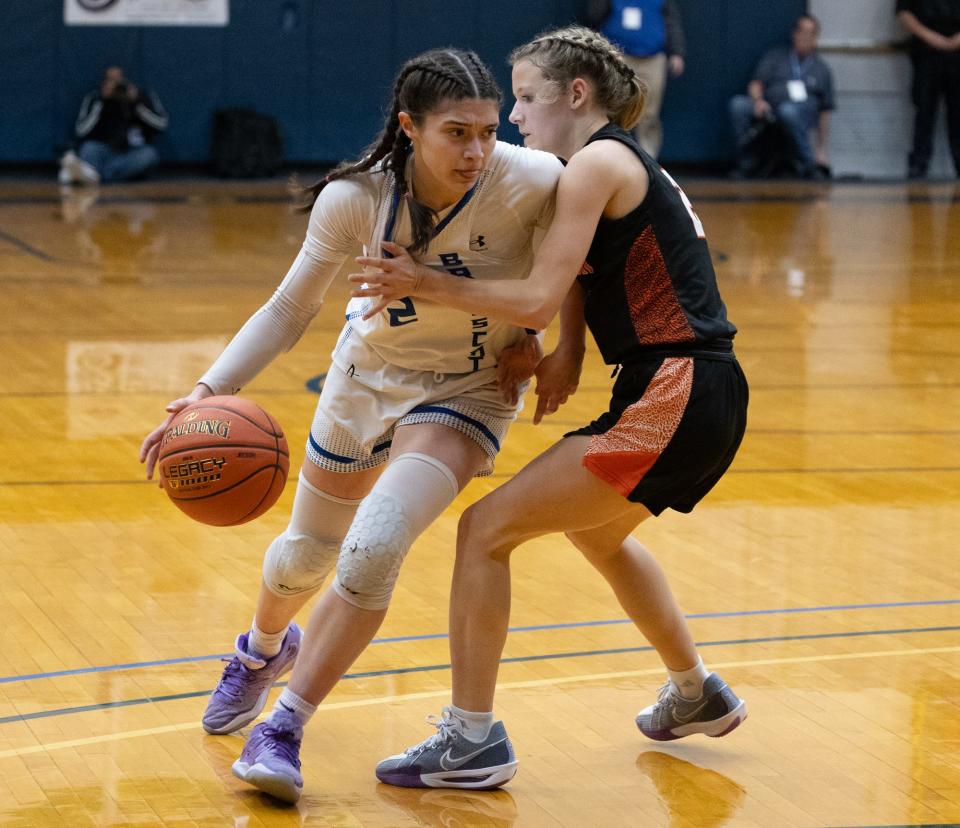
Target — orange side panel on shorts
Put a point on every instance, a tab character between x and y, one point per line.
654	306
625	453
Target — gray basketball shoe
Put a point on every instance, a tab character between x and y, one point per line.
715	713
449	760
246	681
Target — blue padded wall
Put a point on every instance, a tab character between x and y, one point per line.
324	69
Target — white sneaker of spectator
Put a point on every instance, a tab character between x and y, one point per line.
74	170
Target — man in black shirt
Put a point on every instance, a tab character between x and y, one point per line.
935	54
116	125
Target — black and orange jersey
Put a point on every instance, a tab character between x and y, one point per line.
648	278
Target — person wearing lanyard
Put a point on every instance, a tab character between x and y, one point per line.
792	87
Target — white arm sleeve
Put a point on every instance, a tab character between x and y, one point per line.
337	222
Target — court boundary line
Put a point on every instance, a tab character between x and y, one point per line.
840	197
816	470
425	668
23	247
501	687
399	639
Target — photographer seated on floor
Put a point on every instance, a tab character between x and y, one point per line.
116	126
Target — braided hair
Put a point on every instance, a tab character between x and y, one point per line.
421	85
579	52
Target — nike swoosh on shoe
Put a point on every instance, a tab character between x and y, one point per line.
689	716
462	760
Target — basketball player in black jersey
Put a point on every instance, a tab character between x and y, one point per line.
627	244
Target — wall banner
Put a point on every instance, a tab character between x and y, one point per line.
146	12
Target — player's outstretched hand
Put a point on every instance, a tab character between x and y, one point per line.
516	365
558	376
150	447
386	279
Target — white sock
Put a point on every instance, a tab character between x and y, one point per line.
689	683
476	726
264	645
290	702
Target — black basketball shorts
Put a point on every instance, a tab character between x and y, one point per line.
672	429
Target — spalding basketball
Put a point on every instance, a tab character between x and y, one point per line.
223	460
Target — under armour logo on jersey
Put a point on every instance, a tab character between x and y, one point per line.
477	243
585	269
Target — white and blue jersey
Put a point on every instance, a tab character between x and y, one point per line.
414	352
488	234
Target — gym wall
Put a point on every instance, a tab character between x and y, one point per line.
324	69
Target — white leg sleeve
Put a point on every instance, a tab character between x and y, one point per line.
412	492
299	559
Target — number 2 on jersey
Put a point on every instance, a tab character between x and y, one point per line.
697	224
404	315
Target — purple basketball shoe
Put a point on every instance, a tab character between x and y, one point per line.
242	692
271	757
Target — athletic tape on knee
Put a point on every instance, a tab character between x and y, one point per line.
299	560
412	492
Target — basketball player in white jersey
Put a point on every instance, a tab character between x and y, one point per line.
415	387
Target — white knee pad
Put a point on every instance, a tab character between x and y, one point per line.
300	559
372	552
408	497
298	563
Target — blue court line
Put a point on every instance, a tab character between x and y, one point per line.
850	470
505	475
877	386
808	386
115	199
134	482
693	615
805	198
745	197
806	432
531	628
872	432
907	825
868	470
86	708
26	248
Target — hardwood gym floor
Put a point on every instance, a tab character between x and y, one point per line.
820	577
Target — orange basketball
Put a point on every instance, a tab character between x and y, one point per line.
223	460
